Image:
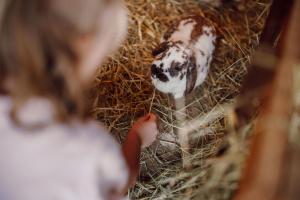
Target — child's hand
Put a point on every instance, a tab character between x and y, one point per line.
146	129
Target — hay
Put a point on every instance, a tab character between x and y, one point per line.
123	92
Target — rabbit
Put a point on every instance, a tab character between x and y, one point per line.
182	60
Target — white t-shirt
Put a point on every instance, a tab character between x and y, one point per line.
76	161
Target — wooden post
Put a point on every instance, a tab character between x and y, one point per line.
268	171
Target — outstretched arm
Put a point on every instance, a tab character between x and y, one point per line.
131	151
142	134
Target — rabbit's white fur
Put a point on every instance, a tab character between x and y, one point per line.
188	49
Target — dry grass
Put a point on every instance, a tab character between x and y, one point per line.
123	92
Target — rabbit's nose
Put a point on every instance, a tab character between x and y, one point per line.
155	70
158	73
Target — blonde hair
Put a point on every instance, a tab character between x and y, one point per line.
37	50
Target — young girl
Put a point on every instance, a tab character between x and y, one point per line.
49	149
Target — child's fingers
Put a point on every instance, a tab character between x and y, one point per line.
147	118
150	117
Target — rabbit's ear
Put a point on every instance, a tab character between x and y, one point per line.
161	48
191	75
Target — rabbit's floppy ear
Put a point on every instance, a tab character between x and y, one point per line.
161	48
191	75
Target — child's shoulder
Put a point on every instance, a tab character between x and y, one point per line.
36	117
5	104
38	113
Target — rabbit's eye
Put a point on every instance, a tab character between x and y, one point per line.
177	68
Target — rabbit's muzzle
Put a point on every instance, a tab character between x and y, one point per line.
158	73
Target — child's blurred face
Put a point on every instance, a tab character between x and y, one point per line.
109	32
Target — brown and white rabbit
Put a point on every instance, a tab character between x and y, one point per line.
183	58
181	63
